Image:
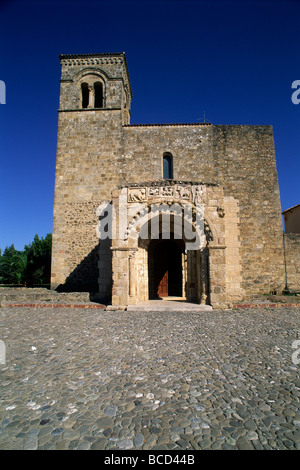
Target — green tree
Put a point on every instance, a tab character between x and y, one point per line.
20	260
32	265
13	265
38	260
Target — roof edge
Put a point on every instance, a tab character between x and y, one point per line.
170	124
290	208
97	54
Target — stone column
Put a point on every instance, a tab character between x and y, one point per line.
204	276
91	97
132	275
120	276
217	278
184	275
192	291
198	271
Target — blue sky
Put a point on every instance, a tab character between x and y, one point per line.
235	60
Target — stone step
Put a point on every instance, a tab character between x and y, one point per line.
167	306
41	294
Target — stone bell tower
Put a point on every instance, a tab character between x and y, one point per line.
94	82
95	97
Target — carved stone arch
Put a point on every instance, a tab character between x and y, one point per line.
141	223
139	219
91	71
209	227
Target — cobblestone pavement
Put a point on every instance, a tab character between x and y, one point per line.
93	379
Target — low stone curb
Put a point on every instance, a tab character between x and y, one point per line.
262	305
117	308
52	305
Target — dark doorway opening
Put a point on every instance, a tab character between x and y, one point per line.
165	269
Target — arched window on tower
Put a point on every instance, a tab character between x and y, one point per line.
85	94
98	95
167	166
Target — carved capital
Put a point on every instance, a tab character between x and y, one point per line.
221	212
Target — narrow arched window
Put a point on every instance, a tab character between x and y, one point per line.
167	166
85	94
98	95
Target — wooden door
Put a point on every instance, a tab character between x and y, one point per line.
167	272
163	285
162	270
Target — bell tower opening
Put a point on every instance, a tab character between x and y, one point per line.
85	95
98	95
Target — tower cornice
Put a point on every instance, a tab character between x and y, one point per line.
96	59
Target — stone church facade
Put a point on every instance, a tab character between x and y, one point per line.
148	211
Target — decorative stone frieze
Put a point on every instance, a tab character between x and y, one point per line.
175	193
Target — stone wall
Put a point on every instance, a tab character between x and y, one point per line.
86	171
292	250
242	160
292	219
246	166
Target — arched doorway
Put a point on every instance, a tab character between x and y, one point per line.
182	213
165	264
